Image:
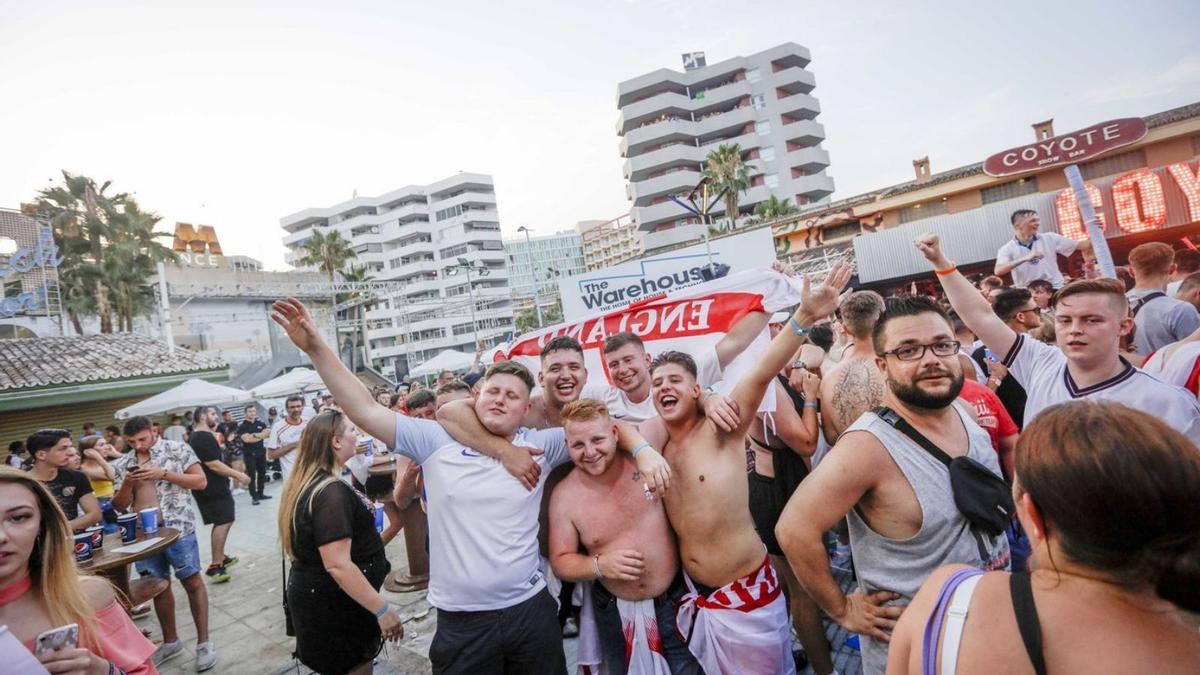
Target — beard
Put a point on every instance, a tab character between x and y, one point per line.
913	395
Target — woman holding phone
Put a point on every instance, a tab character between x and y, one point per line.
41	589
328	530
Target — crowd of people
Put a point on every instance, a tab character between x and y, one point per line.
994	475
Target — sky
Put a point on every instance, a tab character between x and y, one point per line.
236	114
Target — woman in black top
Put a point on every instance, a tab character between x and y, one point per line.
328	530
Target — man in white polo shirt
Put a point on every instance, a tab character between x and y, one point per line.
1090	318
285	434
1032	255
494	614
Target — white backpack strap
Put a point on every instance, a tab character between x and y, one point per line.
956	618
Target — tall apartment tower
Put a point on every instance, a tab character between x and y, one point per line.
419	235
671	120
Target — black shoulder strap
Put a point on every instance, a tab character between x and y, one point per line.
1027	619
893	418
1137	307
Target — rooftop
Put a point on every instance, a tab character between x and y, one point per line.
61	361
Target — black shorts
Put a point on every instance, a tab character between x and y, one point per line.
765	507
524	638
215	509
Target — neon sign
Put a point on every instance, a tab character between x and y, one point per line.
1138	201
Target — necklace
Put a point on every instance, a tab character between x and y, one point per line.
15	590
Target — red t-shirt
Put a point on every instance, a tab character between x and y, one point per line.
990	411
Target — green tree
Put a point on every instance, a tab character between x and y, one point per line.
109	249
329	253
726	171
773	208
526	320
356	273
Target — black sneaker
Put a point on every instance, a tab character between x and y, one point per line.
265	497
217	573
254	502
229	561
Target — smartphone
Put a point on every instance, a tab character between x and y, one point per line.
64	637
990	355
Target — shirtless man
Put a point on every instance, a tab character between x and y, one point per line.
627	546
734	617
854	385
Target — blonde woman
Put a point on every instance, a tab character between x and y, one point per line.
41	589
328	530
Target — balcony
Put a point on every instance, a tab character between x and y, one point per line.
799	106
649	217
675	182
718	96
410	248
634	114
636	168
814	187
721	123
637	140
811	160
673	237
794	80
806	132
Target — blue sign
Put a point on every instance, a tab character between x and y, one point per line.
25	259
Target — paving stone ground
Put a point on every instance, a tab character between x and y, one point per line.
246	620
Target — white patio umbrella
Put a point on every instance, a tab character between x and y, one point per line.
187	395
451	359
295	381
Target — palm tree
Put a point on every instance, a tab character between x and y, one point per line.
109	248
356	273
328	253
726	171
773	208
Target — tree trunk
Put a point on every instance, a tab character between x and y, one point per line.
75	323
731	206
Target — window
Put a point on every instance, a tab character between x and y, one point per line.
758	101
452	251
753	75
767	154
922	211
762	127
771	180
451	212
841	231
1107	166
1009	190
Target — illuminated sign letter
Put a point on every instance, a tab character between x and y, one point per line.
1189	183
201	239
1070	222
1138	201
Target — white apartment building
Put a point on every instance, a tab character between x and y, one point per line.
420	235
608	242
543	260
670	120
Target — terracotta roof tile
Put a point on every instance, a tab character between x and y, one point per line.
50	361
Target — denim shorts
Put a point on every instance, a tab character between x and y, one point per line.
183	556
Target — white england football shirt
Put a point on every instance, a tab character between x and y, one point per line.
282	433
483	524
708	373
1182	369
1042	370
1051	246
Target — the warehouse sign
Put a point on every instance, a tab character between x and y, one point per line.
25	259
1138	201
1072	148
197	246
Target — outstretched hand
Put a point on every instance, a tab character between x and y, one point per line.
298	323
820	301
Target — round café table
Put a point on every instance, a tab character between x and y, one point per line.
385	468
115	566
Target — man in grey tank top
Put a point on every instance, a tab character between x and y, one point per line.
895	496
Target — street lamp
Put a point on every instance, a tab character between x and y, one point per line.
537	302
482	271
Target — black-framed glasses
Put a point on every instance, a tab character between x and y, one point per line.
915	352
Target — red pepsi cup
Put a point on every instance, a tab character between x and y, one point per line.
97	533
128	524
83	547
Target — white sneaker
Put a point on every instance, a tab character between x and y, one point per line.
166	651
206	656
239	491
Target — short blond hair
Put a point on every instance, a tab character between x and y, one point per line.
584	410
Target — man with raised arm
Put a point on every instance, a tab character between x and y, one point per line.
604	529
494	613
1090	318
734	617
